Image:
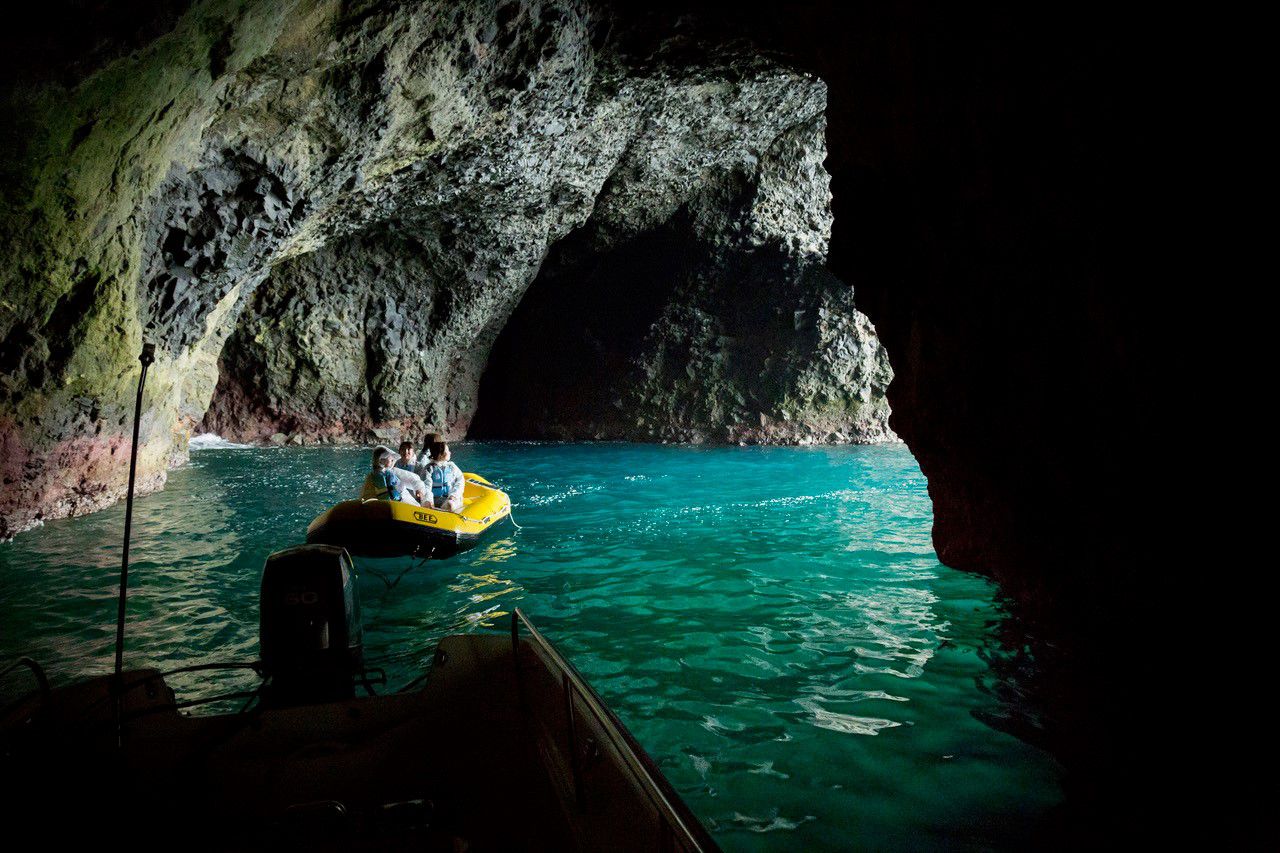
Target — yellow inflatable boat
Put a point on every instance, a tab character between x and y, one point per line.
375	528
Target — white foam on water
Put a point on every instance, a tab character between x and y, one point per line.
845	723
766	769
212	441
769	823
571	492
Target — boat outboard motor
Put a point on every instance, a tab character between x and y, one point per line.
311	638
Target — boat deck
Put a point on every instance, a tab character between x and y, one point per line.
482	758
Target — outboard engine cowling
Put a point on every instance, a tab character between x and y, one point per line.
311	638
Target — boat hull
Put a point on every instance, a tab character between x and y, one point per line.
376	528
504	748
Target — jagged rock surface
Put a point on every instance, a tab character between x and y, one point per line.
993	190
397	172
720	325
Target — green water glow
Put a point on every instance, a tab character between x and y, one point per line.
771	623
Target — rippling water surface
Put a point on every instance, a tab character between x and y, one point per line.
772	623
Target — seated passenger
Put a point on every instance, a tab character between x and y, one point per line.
423	466
409	479
408	456
442	476
383	482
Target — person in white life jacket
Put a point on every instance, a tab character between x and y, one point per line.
384	482
442	477
422	467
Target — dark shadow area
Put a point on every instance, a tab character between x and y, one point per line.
65	40
993	177
994	183
690	332
568	353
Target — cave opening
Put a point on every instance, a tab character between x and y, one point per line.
562	363
683	333
971	149
707	315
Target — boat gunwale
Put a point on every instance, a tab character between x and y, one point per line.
653	781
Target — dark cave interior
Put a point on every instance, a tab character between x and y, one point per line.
567	351
981	198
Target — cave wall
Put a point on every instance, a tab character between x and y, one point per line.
338	338
985	210
978	180
698	330
752	343
158	182
86	145
293	144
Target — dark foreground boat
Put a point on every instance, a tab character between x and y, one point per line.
500	746
505	748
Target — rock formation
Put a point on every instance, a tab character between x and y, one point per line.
983	207
329	211
220	165
692	332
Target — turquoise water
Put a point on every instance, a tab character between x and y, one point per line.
771	623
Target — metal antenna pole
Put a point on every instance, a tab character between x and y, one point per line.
147	357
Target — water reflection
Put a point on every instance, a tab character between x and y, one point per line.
479	589
496	552
772	623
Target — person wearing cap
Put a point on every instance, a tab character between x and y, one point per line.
385	483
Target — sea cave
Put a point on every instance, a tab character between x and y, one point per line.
571	237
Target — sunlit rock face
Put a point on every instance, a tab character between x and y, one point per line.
325	213
689	302
721	324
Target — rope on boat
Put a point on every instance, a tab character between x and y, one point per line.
415	564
